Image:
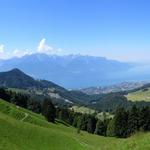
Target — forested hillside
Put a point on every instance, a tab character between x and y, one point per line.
123	123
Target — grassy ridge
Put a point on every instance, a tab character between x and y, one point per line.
21	129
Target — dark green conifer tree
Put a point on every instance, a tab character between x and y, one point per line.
91	124
144	120
101	128
49	110
133	120
121	123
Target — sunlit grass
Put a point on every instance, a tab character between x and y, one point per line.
32	132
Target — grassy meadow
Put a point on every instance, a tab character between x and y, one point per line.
21	129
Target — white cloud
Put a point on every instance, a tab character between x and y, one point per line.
20	53
5	54
2	48
59	49
44	48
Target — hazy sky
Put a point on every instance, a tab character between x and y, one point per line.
116	29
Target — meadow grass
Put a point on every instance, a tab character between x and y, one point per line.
83	109
35	133
140	95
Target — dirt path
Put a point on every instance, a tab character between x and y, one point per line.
26	115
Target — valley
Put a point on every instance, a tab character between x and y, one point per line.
22	128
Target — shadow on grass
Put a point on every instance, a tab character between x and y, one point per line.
62	122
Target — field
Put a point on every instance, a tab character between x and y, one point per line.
140	95
21	129
86	110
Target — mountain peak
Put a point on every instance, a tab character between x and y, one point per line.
16	78
16	70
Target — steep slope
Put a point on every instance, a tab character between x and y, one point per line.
22	129
17	79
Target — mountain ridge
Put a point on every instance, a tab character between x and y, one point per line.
68	70
123	86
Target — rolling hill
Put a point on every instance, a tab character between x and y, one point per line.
25	130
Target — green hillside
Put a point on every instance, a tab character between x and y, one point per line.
140	95
18	81
23	130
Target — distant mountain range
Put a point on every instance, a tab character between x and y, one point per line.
71	71
124	86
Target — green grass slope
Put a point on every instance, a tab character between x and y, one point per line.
140	95
21	129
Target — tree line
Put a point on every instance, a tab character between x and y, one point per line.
122	125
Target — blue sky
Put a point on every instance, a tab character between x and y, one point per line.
116	29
